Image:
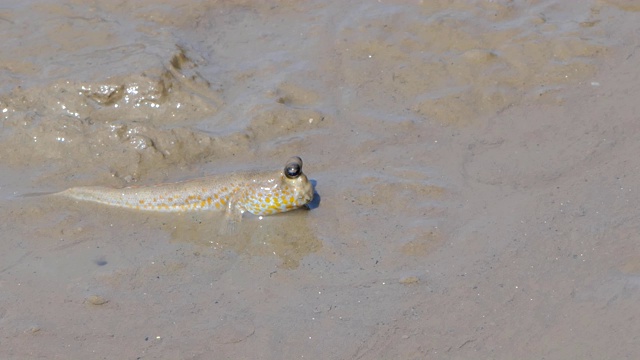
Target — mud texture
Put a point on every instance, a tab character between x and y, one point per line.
476	168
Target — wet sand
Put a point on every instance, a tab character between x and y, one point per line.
476	166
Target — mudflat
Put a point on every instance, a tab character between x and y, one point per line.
475	165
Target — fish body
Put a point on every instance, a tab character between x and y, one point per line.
260	193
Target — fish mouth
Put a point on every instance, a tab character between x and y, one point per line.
307	199
305	191
308	193
304	198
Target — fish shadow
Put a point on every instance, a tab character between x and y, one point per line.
315	202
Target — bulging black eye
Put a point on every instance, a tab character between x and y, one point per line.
293	169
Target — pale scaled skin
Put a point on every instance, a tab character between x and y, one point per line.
260	193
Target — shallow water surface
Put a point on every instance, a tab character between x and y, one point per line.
475	161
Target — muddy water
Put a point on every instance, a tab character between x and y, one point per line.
476	166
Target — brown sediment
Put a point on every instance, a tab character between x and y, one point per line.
474	162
